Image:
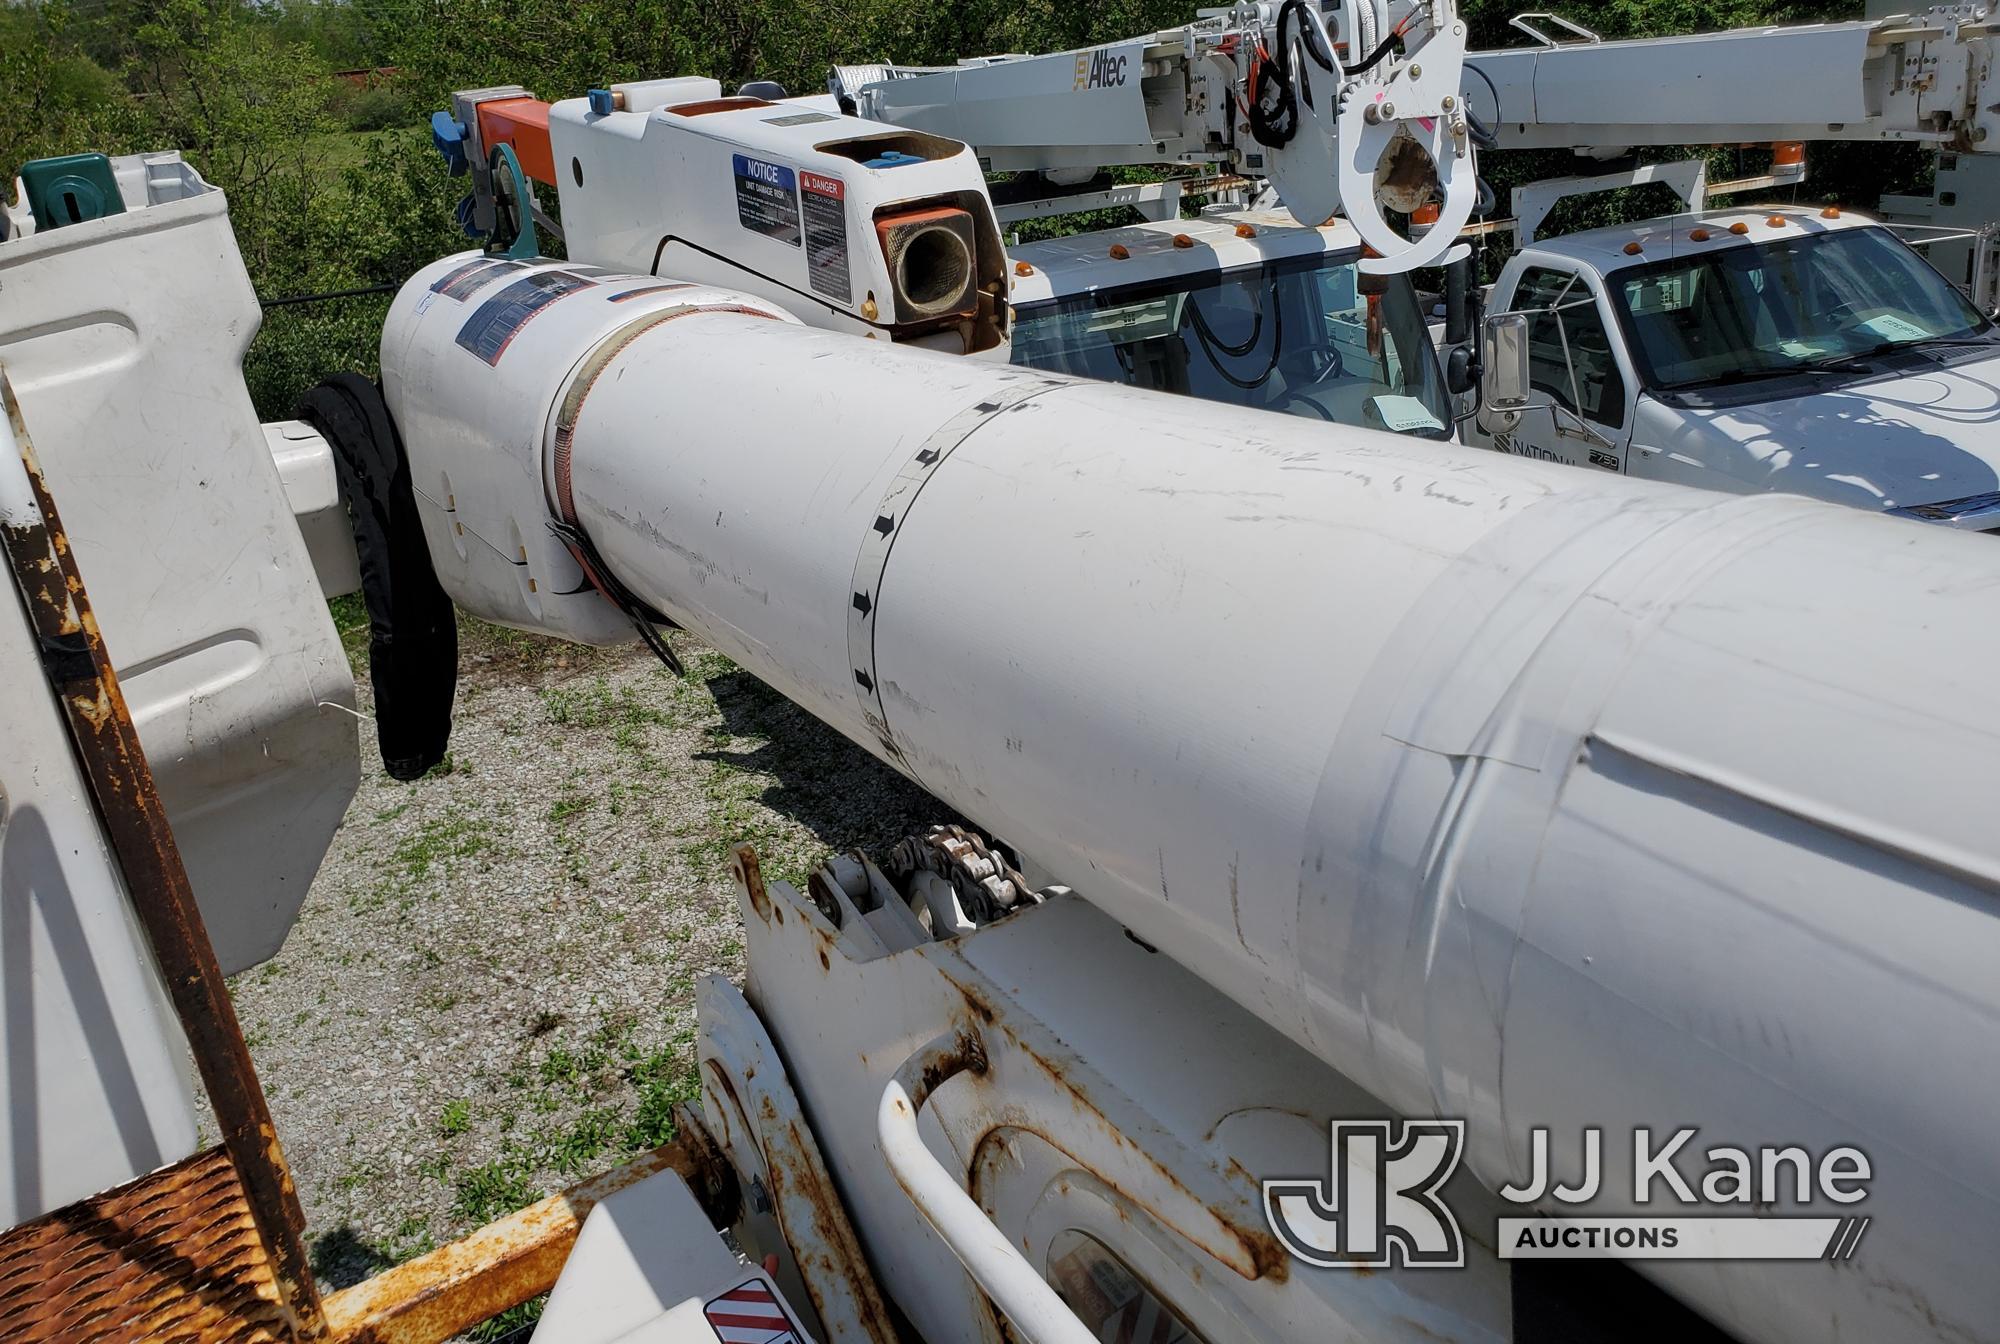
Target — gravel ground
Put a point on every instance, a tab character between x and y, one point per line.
490	991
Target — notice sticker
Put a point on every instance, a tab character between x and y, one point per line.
1889	327
1402	414
494	323
767	198
826	235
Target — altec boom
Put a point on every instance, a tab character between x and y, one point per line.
1536	799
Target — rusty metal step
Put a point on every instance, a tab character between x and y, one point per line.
173	1256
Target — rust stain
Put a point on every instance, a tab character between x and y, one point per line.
1258	1252
829	1252
749	875
172	1255
135	828
433	1297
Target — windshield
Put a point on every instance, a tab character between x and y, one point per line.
1811	301
1296	336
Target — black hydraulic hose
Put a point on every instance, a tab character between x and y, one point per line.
1210	345
1274	110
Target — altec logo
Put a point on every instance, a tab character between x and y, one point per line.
1381	1203
1101	69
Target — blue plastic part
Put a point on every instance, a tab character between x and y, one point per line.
464	216
449	137
892	158
600	102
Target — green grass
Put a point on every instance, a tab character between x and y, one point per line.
455	1119
350	621
442	839
493	1190
569	805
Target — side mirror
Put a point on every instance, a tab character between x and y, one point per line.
1503	352
1458	370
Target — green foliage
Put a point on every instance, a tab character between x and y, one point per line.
333	184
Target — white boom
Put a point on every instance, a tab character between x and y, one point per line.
1520	795
1394	128
1323	105
1926	78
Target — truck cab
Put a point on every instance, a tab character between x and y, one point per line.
1238	306
1806	351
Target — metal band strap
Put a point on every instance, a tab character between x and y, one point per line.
563	503
873	558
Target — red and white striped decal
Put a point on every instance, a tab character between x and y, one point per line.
750	1313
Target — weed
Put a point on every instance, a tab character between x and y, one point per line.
451	836
455	1119
493	1190
507	1323
569	805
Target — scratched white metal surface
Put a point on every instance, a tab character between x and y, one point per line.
124	338
96	1090
1338	820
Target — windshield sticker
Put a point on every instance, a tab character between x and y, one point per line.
1402	414
767	198
1889	327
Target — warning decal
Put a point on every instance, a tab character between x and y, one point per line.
494	323
750	1313
826	235
462	280
767	198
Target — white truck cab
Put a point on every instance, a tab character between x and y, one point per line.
1241	306
1804	351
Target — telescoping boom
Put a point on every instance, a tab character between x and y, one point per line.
1538	798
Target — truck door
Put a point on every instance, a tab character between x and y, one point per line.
1581	412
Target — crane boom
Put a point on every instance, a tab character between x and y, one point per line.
1924	78
1340	110
1391	127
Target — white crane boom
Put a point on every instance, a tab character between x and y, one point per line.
1923	78
1391	128
1339	110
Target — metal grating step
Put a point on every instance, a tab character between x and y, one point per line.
172	1256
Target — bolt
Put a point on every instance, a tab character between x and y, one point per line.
1388	111
1416	72
1449	102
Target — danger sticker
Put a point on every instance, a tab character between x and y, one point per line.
826	235
767	198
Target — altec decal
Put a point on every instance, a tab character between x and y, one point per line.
1101	69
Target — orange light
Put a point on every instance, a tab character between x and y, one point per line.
1023	268
1245	231
1788	154
1182	240
1698	235
1119	252
1632	249
1776	221
1739	227
1831	212
1425	215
